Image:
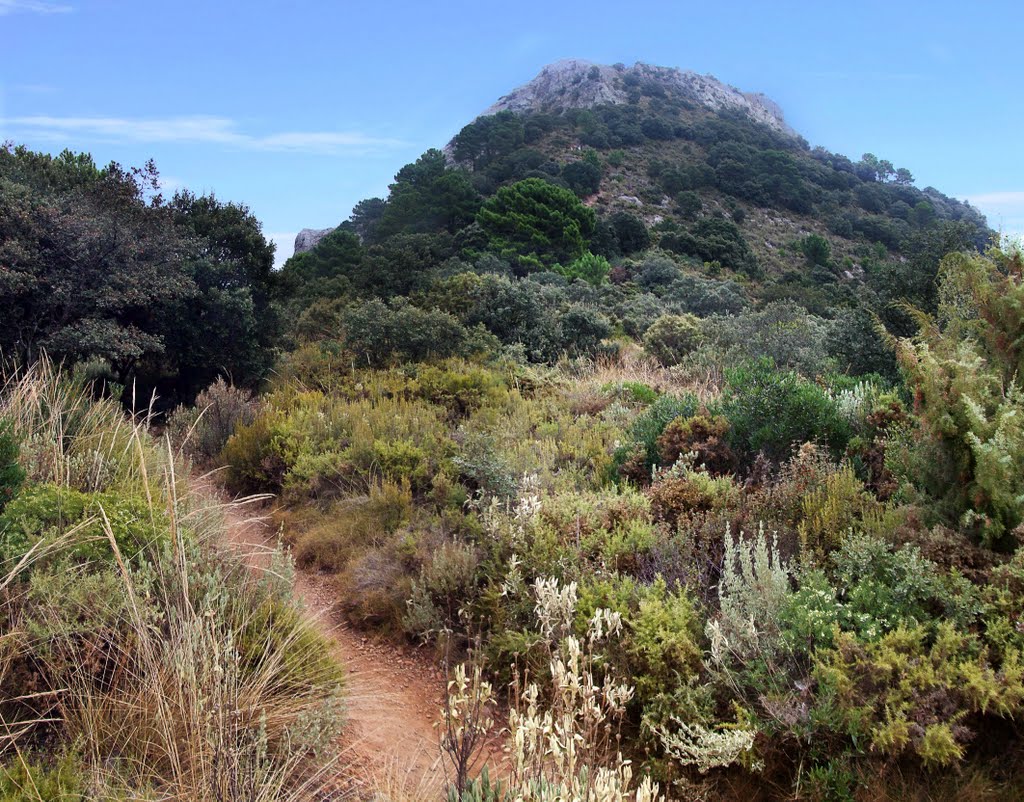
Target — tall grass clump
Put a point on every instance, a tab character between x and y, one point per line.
170	671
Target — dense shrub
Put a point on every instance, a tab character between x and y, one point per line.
671	337
964	369
11	473
43	512
589	268
639	455
688	492
706	437
782	331
771	411
535	223
377	333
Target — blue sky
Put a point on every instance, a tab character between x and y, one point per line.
300	109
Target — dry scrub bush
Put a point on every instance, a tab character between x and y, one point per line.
466	720
203	430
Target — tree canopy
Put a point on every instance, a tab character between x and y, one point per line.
537	223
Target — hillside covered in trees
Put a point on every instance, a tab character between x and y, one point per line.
662	205
694	453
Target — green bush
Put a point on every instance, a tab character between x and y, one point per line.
11	473
635	392
460	388
772	411
447	582
965	370
376	333
61	781
253	463
671	337
635	458
47	512
909	692
589	267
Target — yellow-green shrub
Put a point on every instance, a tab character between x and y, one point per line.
47	511
908	693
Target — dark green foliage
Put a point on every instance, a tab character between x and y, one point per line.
427	196
536	223
816	249
854	341
378	333
704	297
714	239
366	216
589	267
69	258
630	233
98	267
671	337
772	411
583	329
582	177
689	204
488	139
11	473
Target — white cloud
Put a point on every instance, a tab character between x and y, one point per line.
195	129
32	7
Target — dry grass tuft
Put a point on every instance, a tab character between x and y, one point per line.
205	682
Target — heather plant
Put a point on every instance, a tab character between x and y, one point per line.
702	439
923	693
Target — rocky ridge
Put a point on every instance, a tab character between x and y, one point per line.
576	83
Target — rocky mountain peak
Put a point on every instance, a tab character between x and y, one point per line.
576	83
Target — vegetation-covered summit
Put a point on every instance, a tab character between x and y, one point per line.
696	210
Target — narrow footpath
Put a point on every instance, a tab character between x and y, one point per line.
394	693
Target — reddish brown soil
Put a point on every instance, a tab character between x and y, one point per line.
394	692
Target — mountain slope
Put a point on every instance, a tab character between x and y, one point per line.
703	201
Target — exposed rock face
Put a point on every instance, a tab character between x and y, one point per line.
574	83
307	239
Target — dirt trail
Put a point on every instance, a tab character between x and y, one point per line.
393	693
